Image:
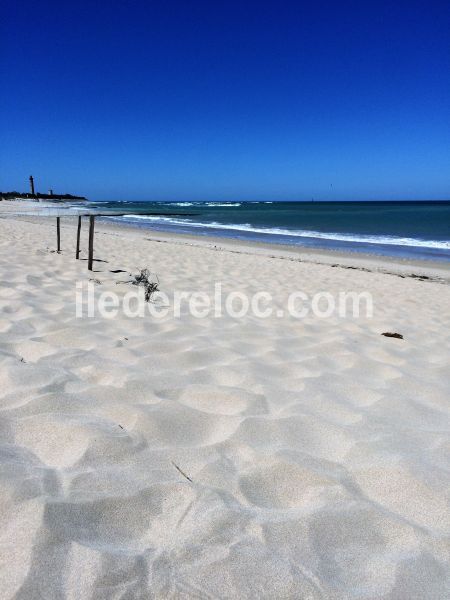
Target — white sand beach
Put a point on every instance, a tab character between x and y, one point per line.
223	457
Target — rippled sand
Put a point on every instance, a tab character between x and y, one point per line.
218	458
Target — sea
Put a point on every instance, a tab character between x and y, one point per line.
406	229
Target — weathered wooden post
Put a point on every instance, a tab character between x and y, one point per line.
77	254
91	241
58	235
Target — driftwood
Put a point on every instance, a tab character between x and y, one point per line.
77	253
91	241
58	234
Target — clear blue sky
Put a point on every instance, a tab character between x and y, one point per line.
227	100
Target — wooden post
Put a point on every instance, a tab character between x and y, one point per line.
77	254
58	234
91	241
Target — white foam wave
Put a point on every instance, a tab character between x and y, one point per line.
200	203
304	233
223	203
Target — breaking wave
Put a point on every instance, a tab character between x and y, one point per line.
302	233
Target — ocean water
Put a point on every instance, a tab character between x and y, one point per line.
403	229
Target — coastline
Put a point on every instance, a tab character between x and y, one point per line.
436	270
299	457
339	239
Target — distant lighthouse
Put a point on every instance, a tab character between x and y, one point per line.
32	185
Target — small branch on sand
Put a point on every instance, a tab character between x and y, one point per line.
180	471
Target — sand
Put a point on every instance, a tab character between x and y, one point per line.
219	457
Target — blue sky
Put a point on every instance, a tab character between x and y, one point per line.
227	100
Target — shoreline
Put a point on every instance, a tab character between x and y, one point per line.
435	270
426	269
345	257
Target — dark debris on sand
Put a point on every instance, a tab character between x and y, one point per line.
397	336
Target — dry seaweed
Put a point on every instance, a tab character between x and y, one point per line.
397	336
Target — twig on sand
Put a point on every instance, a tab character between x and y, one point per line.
184	474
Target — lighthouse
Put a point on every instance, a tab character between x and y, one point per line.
32	185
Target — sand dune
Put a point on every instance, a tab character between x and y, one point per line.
218	458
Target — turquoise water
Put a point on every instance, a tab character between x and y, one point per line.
404	229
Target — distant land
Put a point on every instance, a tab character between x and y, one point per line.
38	196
